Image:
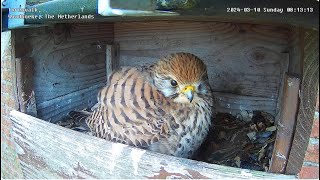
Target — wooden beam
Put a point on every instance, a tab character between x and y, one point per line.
284	66
233	104
286	124
296	45
308	97
112	58
46	150
24	73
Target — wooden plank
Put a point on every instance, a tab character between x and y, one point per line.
68	58
296	39
284	69
308	97
285	125
112	58
242	59
51	110
232	103
46	150
24	73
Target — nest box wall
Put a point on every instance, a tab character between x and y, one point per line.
245	62
68	66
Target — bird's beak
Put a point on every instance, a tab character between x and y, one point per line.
189	91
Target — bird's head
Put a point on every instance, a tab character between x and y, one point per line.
182	77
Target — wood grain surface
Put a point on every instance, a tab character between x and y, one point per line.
245	62
242	59
68	63
112	58
308	97
285	124
24	73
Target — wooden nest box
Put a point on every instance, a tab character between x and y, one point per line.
254	64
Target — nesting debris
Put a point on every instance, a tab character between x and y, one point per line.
245	116
69	123
245	141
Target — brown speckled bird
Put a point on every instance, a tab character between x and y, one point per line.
165	108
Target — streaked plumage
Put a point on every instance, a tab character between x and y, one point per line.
165	108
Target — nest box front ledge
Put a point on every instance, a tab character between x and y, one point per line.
46	150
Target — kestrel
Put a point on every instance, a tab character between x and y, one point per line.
166	107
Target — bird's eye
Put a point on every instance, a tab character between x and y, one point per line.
174	83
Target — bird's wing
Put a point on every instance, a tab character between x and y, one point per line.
131	111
